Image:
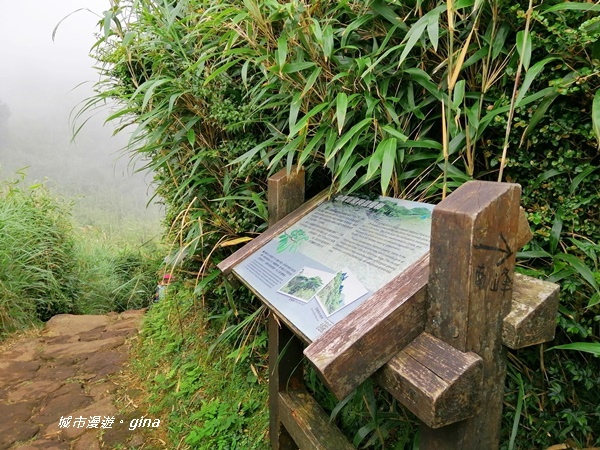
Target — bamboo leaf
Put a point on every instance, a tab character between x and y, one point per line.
328	41
421	143
579	178
530	254
317	31
191	135
530	77
304	121
150	86
594	300
395	133
375	162
499	40
219	71
417	29
574	6
340	110
461	59
387	164
359	127
316	140
433	31
388	13
596	115
587	347
247	157
458	94
236	241
517	418
555	233
539	113
294	109
524	47
310	81
583	270
282	49
296	67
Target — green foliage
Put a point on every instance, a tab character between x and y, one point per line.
369	416
37	257
48	266
216	401
114	274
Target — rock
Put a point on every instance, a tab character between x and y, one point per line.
64	373
37	389
12	371
23	351
69	324
44	444
14	426
81	420
87	441
62	403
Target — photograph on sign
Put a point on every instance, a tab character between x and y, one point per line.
306	283
339	292
324	266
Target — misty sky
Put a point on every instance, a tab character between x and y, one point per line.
38	82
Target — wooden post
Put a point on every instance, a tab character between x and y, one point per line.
472	261
285	194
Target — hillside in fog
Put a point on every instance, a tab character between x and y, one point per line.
42	84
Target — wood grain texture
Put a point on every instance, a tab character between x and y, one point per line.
308	424
436	382
532	318
472	258
354	348
285	372
524	235
290	219
286	194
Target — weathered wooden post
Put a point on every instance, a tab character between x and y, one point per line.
285	194
471	275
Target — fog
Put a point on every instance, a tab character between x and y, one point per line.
41	83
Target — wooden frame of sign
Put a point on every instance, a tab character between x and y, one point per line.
433	335
342	341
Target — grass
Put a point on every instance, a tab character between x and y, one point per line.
37	275
49	266
207	400
116	274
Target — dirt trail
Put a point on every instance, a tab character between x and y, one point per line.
66	371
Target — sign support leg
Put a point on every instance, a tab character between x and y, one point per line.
285	194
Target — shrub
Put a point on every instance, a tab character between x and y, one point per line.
37	258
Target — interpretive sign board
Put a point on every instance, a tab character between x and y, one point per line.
326	264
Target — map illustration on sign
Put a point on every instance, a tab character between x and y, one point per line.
324	266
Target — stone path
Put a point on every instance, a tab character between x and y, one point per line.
66	371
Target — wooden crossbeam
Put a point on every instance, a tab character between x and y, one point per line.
342	358
532	318
436	382
353	349
308	424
